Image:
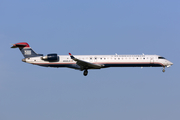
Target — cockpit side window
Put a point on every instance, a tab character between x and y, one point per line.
161	58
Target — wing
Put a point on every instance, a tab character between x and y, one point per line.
84	64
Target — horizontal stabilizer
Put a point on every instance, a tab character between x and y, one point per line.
20	45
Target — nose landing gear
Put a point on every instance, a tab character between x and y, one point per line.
85	72
163	69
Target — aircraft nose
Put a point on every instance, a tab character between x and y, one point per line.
169	64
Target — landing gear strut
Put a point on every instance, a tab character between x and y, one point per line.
85	72
163	69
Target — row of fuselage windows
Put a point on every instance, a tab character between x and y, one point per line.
122	58
115	58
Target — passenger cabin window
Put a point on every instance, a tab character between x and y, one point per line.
161	58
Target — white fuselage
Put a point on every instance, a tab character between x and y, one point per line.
85	62
104	61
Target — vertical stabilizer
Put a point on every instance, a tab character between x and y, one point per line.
26	50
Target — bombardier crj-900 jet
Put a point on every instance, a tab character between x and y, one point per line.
85	62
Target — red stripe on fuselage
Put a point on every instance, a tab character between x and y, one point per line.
130	63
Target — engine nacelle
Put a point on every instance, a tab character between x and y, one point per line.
50	57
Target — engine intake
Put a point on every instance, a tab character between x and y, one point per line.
50	57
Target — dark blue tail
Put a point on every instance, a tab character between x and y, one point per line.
26	50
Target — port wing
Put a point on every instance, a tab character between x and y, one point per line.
85	64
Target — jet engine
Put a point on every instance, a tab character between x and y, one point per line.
50	57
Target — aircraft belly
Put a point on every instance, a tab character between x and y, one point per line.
74	66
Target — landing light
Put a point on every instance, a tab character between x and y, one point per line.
168	65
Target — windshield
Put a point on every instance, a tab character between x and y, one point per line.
161	58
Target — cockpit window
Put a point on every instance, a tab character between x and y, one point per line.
161	58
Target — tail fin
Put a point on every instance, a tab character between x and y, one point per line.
26	50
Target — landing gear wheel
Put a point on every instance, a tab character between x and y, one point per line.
163	69
85	72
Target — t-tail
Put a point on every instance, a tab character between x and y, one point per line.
26	50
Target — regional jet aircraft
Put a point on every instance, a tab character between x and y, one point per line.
85	62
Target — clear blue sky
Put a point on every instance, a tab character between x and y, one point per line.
29	92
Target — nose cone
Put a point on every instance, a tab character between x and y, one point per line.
169	64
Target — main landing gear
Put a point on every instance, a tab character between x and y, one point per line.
85	72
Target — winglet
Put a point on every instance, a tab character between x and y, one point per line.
72	57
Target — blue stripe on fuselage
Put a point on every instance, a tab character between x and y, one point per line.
75	66
132	65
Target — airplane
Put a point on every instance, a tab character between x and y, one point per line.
86	62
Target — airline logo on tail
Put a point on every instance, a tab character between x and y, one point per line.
27	52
